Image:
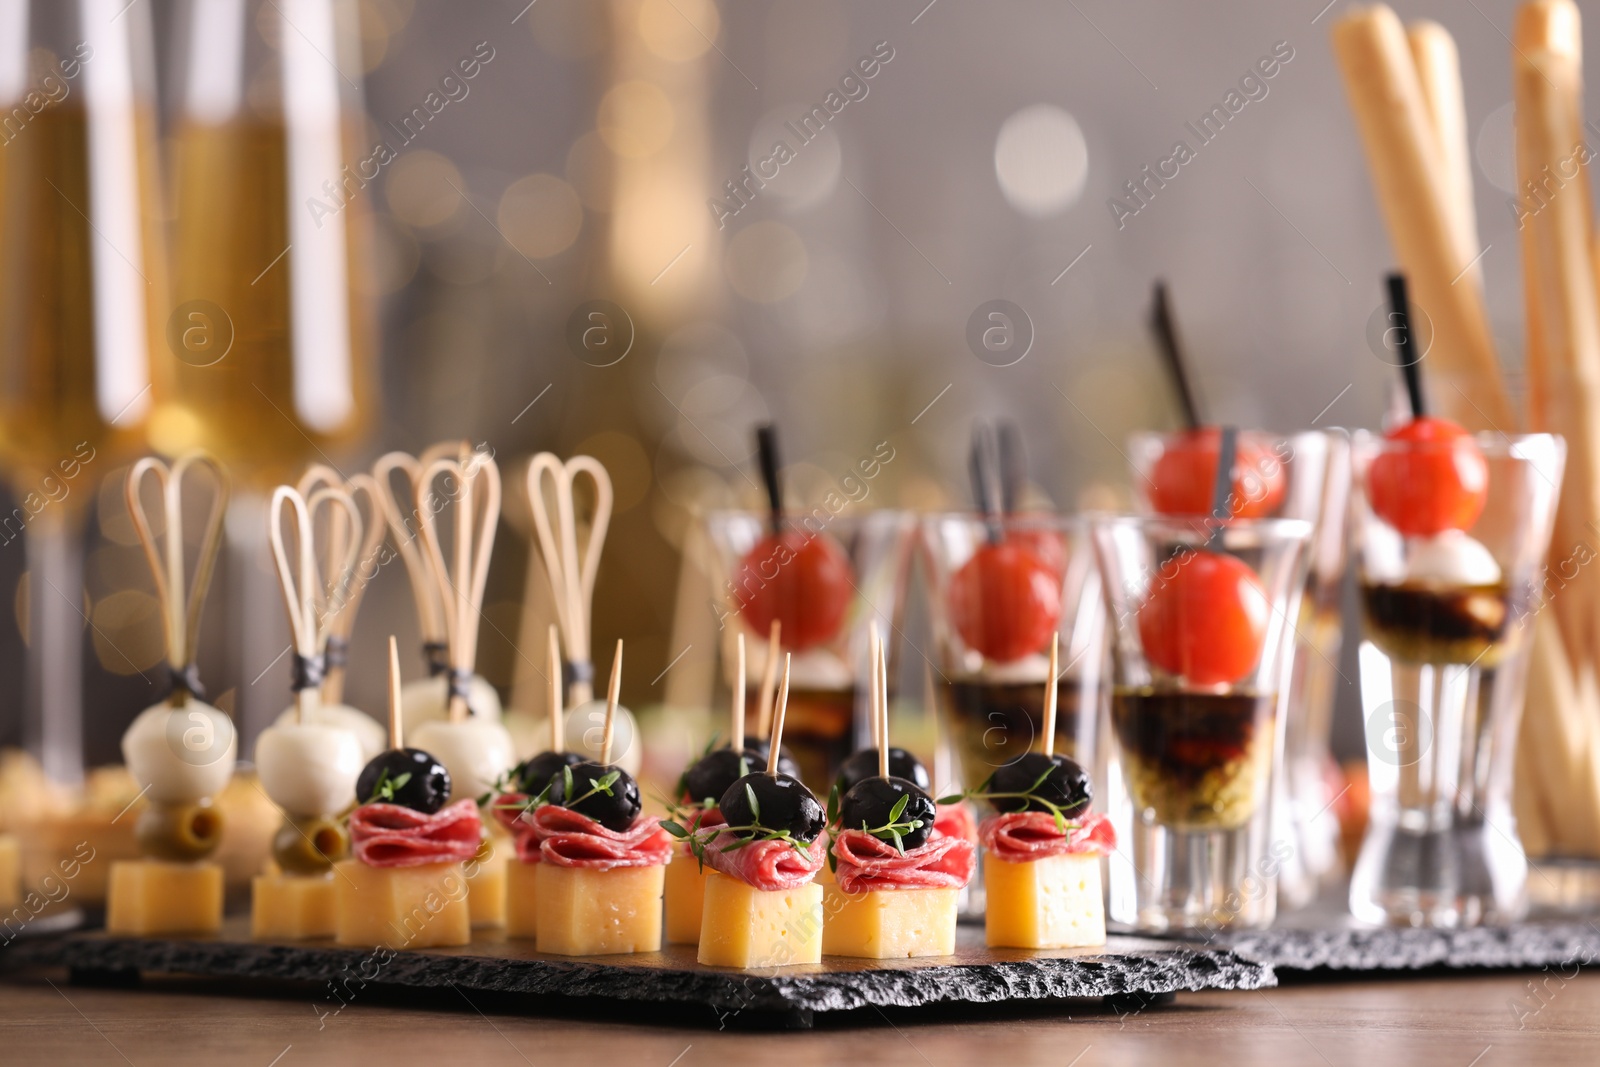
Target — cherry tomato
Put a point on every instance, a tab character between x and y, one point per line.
1433	478
1005	601
804	580
1205	618
1183	476
1046	544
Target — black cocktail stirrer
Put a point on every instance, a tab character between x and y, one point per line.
1172	354
1013	466
1222	486
1400	322
985	469
767	452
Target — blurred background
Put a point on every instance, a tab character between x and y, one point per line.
636	228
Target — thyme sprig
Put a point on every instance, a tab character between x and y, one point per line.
385	788
743	836
602	784
891	832
1031	795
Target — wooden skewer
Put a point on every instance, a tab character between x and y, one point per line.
299	589
374	528
477	513
396	737
1050	695
872	675
424	590
777	719
572	564
180	612
557	726
612	691
1386	96
881	698
1438	65
769	680
736	733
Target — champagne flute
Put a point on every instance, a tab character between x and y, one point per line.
82	304
272	365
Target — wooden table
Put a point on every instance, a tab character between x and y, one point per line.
1448	1021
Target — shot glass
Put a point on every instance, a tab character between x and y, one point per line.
1202	642
1306	476
824	578
997	590
1448	601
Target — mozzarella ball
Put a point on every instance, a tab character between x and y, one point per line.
475	751
424	700
586	727
1451	558
309	768
372	734
183	754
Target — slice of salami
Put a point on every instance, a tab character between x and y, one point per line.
388	835
767	865
699	819
865	863
1031	835
956	820
568	838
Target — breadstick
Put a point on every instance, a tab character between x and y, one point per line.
1386	96
1439	73
1563	319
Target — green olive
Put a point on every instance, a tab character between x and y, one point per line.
309	844
179	831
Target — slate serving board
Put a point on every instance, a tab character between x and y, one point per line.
1126	967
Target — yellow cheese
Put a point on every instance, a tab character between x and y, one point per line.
522	918
746	927
486	885
686	896
401	907
148	898
584	912
1047	903
292	907
10	872
889	923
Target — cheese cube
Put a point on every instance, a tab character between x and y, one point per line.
486	886
1053	902
149	898
522	917
584	912
889	923
686	897
292	907
10	872
746	927
401	907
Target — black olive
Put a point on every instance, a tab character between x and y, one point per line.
782	802
615	807
408	777
761	748
710	776
531	776
1066	786
864	764
869	802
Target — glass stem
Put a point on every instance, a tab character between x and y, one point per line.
53	727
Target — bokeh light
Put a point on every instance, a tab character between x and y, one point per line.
1041	160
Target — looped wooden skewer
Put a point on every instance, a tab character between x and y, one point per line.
424	590
373	529
306	595
180	612
880	699
348	545
477	513
571	564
